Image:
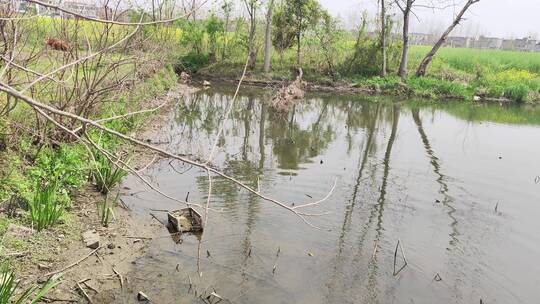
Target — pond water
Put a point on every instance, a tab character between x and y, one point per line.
456	184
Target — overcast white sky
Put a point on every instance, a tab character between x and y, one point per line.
501	18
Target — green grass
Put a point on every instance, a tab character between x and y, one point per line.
472	60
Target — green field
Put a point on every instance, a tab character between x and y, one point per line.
470	60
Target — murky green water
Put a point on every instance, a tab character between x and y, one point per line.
430	176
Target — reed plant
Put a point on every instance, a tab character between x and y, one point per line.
106	209
9	288
106	174
45	209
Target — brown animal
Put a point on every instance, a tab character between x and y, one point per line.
58	45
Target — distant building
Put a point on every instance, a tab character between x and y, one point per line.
526	44
459	42
86	9
488	43
508	44
420	39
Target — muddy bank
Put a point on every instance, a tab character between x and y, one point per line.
97	269
272	83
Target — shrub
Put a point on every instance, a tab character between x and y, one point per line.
192	62
106	174
517	92
426	86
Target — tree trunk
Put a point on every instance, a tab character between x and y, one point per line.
405	52
422	69
268	40
383	38
298	49
153	11
253	24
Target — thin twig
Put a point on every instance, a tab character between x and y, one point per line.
120	278
72	264
84	293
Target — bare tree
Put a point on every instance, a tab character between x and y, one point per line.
406	7
422	69
268	38
383	38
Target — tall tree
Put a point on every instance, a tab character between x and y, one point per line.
268	37
305	14
251	7
406	7
383	38
283	34
422	69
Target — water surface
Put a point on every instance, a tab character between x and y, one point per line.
454	182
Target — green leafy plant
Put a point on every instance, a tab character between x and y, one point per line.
106	174
45	209
9	286
193	62
106	209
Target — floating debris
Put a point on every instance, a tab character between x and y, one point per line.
142	297
290	95
185	77
185	220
